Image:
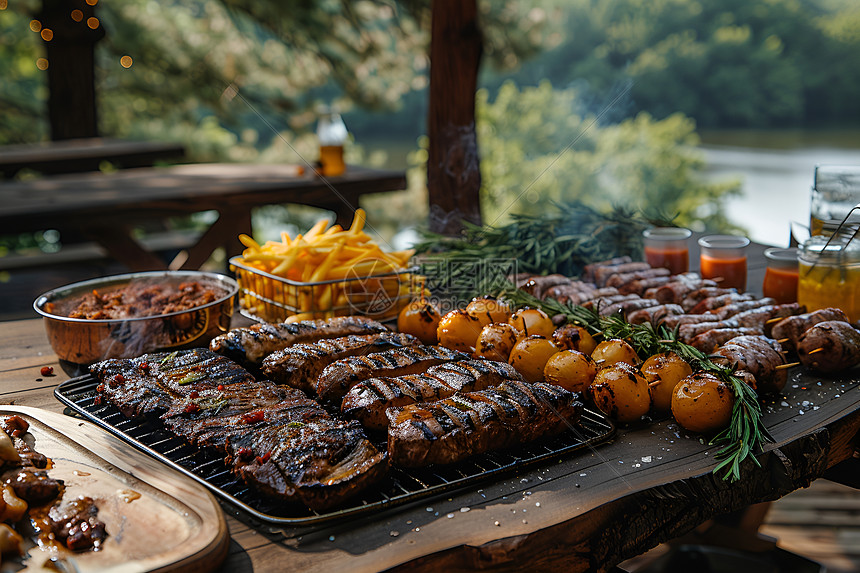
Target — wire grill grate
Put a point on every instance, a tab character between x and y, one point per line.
401	486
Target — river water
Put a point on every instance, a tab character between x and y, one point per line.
776	175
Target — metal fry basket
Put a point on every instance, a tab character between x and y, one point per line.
270	298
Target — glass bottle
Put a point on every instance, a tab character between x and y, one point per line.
332	135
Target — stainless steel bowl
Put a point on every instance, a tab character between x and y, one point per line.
85	341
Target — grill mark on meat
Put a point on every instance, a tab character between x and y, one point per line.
602	274
589	269
368	401
654	314
714	302
300	365
708	341
757	355
249	345
338	377
275	438
693	298
514	412
839	343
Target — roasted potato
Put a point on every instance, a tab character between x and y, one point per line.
573	337
489	309
496	341
420	318
529	321
570	369
458	330
530	355
621	392
703	403
611	352
663	372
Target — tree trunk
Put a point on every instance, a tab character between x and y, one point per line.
71	68
453	166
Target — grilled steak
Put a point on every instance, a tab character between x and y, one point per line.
338	377
275	438
301	364
452	429
367	401
249	345
149	385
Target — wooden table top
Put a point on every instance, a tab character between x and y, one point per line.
586	511
183	189
106	206
75	155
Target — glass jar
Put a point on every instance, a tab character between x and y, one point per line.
835	191
780	276
723	258
332	135
666	247
829	274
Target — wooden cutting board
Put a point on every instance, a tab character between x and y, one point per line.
156	518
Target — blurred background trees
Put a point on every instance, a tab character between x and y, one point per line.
600	100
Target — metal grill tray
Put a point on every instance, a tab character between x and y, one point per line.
400	487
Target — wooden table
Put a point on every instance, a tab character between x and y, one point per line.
87	154
107	207
584	512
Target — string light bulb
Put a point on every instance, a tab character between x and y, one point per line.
93	22
42	64
47	34
36	26
77	15
125	61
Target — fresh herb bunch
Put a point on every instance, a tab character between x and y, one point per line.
745	433
561	241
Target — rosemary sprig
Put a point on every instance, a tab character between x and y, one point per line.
745	433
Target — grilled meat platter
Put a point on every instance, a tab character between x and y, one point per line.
315	434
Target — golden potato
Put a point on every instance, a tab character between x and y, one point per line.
530	321
621	392
570	369
420	318
530	355
459	331
663	372
496	341
611	352
703	403
573	337
489	309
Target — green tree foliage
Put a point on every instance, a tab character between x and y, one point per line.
723	62
537	150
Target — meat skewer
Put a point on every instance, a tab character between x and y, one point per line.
249	345
589	270
829	346
300	365
715	302
792	328
757	355
452	429
654	314
709	340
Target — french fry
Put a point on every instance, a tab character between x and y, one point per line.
338	258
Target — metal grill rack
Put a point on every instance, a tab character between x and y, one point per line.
400	487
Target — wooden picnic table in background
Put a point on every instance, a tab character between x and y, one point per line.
107	206
85	154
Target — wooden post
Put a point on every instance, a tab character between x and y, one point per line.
71	67
453	165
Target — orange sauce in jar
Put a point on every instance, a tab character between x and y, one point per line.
676	260
730	273
780	284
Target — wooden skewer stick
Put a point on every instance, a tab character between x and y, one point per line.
781	340
777	319
784	366
654	383
814	351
